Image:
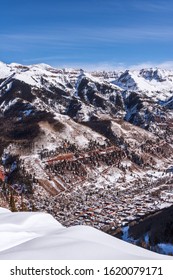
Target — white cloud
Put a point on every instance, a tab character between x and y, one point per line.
166	65
78	36
119	66
163	65
153	6
100	66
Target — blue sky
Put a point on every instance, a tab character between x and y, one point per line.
92	34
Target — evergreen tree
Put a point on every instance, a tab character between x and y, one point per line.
12	203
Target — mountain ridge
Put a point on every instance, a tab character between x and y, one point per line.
78	145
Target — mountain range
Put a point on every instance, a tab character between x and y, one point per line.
89	148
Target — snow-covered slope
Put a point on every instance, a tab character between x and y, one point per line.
32	74
40	236
82	95
155	82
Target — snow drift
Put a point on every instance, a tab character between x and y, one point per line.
29	235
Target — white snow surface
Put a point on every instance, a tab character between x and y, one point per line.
154	81
31	74
4	70
36	235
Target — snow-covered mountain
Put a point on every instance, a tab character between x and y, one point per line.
139	97
39	236
89	148
156	82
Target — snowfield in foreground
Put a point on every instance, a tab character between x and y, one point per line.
29	235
